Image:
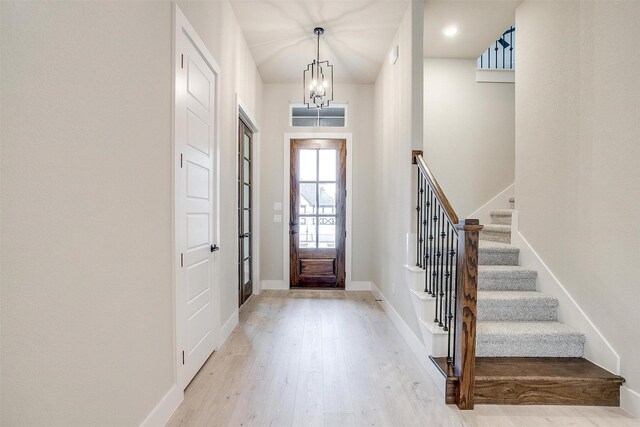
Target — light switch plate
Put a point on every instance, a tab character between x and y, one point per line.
277	218
277	206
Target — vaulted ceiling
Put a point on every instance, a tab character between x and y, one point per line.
357	38
359	33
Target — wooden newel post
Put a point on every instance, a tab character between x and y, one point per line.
466	311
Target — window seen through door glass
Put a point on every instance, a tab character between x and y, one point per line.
307	232
307	198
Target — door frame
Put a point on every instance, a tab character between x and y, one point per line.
287	200
182	26
245	114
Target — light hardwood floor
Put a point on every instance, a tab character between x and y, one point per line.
332	358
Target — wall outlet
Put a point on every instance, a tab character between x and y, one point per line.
277	206
277	218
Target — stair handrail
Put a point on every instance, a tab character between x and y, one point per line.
448	252
442	198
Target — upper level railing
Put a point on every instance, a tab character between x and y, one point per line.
501	54
447	249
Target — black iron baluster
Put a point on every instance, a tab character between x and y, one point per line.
488	57
452	253
430	242
447	273
511	48
454	295
496	53
437	262
441	237
425	215
422	184
418	202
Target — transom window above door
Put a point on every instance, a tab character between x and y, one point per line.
333	116
317	208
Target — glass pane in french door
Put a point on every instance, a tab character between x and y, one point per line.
327	165
308	232
327	198
308	165
308	198
317	198
327	232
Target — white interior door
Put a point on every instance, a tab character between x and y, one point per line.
196	309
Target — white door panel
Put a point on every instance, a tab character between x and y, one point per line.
198	81
197	181
198	133
196	309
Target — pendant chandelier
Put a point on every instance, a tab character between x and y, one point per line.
317	79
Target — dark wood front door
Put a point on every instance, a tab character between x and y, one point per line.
245	244
317	211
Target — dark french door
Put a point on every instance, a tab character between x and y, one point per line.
317	213
245	247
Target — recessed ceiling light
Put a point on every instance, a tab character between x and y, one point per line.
450	31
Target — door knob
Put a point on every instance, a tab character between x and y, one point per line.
294	232
214	248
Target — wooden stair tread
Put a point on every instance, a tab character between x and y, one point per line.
573	368
537	380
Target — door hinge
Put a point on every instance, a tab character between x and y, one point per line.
345	194
181	60
183	357
180	159
181	260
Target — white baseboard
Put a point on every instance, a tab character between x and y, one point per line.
358	286
161	414
274	285
501	201
411	339
630	401
597	349
228	327
376	292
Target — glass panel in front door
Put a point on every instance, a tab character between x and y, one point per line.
317	200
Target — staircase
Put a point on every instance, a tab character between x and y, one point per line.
523	354
514	320
509	347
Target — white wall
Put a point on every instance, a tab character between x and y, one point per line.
578	157
397	130
469	133
276	123
86	172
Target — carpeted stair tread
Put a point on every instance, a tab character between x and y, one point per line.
516	306
502	216
506	278
528	339
496	233
495	253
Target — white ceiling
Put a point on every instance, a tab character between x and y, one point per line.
358	34
479	23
